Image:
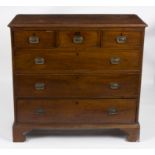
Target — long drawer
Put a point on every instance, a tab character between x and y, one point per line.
76	111
81	86
69	61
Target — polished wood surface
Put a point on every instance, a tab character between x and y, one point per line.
90	39
46	39
77	86
85	20
81	61
76	72
76	111
133	39
131	130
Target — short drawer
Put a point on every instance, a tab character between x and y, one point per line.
76	111
122	39
34	39
76	62
79	39
82	86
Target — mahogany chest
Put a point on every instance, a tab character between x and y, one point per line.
78	72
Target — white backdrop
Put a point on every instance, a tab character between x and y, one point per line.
148	91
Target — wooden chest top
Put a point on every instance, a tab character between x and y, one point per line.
77	20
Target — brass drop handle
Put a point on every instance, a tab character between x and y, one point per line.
115	60
39	111
39	86
114	85
39	61
34	39
112	111
121	39
78	38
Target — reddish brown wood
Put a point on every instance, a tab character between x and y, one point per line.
46	39
132	134
89	20
133	39
19	133
90	39
76	75
78	86
76	111
72	61
21	128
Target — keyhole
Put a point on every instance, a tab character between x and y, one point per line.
77	77
33	34
77	54
76	102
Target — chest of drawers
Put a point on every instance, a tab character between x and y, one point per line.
76	72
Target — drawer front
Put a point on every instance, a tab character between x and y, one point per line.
76	62
79	39
84	86
122	39
76	111
34	39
